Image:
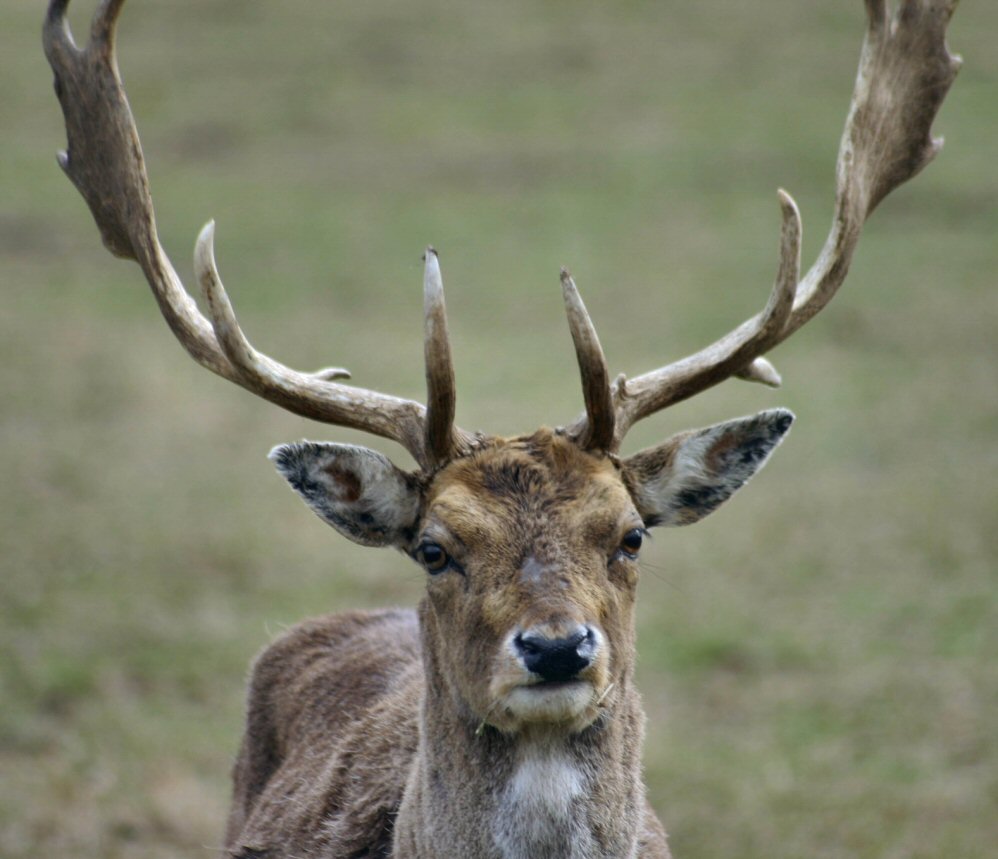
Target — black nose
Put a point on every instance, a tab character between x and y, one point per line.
556	658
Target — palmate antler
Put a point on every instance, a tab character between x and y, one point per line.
104	160
904	74
905	71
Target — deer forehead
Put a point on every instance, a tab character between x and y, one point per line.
539	494
531	521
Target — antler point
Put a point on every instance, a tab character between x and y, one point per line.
206	238
787	202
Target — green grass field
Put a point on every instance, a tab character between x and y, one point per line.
818	659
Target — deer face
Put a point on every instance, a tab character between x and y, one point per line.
530	547
531	552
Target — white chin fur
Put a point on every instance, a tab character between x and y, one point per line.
561	702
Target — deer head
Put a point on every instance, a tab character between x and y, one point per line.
530	544
530	547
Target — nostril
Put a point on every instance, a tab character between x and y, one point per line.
527	645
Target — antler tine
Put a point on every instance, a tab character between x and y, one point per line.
737	352
104	160
311	395
104	22
905	71
441	390
597	431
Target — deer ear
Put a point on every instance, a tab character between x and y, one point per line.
693	473
356	490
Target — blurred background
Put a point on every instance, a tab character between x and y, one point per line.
817	658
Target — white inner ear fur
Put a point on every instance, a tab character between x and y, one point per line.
688	466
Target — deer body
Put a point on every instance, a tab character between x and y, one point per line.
501	720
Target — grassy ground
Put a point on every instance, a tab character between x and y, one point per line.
817	658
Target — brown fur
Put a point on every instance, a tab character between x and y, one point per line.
330	735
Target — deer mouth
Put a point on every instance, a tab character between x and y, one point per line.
543	686
550	701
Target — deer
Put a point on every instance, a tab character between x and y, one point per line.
499	719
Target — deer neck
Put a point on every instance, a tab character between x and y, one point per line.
540	793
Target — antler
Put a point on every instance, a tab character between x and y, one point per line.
599	427
104	161
905	71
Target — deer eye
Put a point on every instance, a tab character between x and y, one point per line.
631	544
432	557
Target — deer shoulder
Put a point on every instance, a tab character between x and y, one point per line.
331	730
